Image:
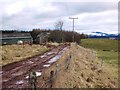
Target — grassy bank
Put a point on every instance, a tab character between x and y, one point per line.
84	71
13	53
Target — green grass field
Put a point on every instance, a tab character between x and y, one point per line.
106	49
100	44
108	57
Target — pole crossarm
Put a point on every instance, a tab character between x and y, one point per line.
72	18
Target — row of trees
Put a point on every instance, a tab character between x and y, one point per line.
59	35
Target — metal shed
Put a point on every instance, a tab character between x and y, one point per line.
14	40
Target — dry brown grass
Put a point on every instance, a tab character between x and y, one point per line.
13	53
53	43
0	56
84	71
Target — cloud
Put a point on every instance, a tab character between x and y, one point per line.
106	21
29	14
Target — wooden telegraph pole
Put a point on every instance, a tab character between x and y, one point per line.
73	27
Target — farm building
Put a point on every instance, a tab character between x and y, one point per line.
42	37
13	38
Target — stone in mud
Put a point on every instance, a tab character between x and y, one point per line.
20	82
86	67
91	64
99	70
88	85
88	79
94	68
91	75
82	75
99	85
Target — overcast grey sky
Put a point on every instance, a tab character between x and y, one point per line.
94	15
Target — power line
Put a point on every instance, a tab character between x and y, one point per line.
73	26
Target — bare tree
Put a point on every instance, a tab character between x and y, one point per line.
58	26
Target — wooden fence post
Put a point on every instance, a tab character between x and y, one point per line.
68	62
101	63
32	80
57	70
51	78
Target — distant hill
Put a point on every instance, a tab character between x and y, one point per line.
104	35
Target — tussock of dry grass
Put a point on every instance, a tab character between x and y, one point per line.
84	71
55	43
13	53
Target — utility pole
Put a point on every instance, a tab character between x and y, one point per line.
73	26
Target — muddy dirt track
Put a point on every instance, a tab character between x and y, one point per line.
15	75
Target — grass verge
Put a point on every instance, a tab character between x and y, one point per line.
14	53
84	71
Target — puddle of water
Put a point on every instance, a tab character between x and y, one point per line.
30	62
1	72
17	74
24	63
20	82
37	74
54	58
5	80
36	59
17	68
65	49
49	53
43	56
27	77
47	65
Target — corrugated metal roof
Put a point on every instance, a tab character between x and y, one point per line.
14	37
16	34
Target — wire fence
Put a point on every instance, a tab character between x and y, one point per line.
52	78
54	74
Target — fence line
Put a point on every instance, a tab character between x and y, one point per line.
68	62
52	77
54	74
